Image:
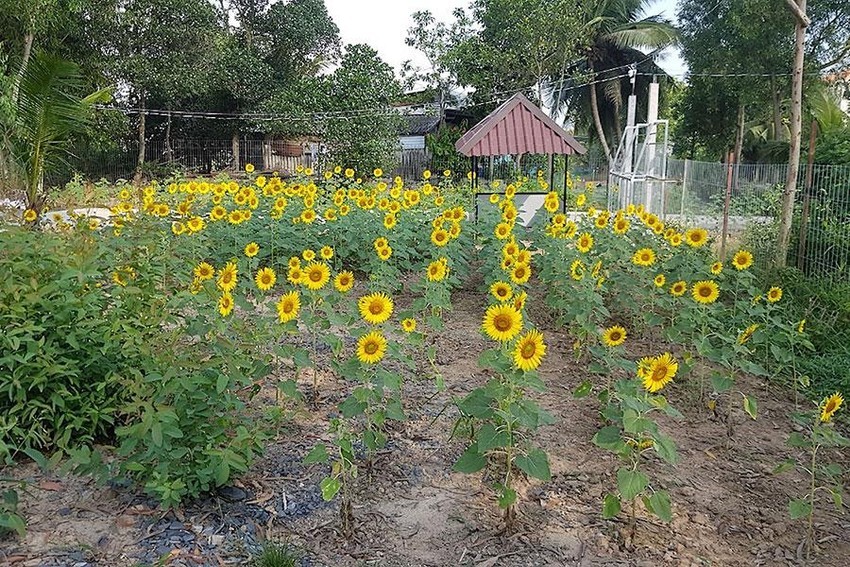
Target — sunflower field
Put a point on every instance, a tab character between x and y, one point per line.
208	324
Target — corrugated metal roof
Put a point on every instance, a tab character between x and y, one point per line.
517	127
421	124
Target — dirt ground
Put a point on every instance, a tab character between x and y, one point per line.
412	510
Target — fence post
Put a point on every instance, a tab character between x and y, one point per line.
726	205
807	191
684	186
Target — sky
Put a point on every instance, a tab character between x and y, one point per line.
383	25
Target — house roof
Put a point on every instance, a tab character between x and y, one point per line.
517	127
420	124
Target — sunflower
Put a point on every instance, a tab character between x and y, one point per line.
584	242
204	271
385	253
225	304
510	249
502	230
440	237
326	252
265	279
494	198
747	333
308	216
501	291
295	275
30	215
675	240
581	199
529	351
288	306
659	280
371	347
520	273
577	270
249	168
252	249
644	257
378	172
380	242
742	260
309	255
801	326
436	271
661	371
227	277
390	221
344	281
408	325
621	226
643	366
375	307
705	292
716	268
294	262
316	275
614	336
774	294
519	300
829	406
502	322
678	289
696	237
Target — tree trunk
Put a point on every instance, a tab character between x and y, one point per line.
739	143
234	145
778	133
140	160
796	127
594	110
28	39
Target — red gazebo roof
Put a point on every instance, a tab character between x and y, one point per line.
517	127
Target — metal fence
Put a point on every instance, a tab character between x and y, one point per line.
694	193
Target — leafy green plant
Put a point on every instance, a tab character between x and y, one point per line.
10	519
818	433
276	555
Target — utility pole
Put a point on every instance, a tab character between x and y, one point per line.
798	9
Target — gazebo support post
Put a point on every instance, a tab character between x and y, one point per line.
566	172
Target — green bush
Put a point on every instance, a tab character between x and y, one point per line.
100	350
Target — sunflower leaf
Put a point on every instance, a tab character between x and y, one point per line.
659	504
610	506
470	461
583	389
535	464
799	508
631	483
751	406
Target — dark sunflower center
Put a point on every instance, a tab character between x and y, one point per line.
375	308
659	373
371	347
316	276
615	336
705	291
502	323
528	350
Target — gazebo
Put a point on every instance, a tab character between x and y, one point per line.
517	127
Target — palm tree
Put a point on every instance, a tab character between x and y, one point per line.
49	111
618	37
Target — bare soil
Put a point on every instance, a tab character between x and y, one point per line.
412	510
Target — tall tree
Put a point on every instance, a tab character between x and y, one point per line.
619	36
508	45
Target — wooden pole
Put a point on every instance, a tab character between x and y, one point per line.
727	204
566	173
807	195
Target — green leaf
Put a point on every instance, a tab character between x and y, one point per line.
665	447
750	406
799	508
785	465
634	423
222	473
583	389
329	486
470	461
631	483
221	382
477	404
489	438
796	439
659	504
721	382
318	454
507	496
13	522
610	506
837	499
156	433
609	438
535	464
351	407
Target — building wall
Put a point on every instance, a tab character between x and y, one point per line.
412	142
